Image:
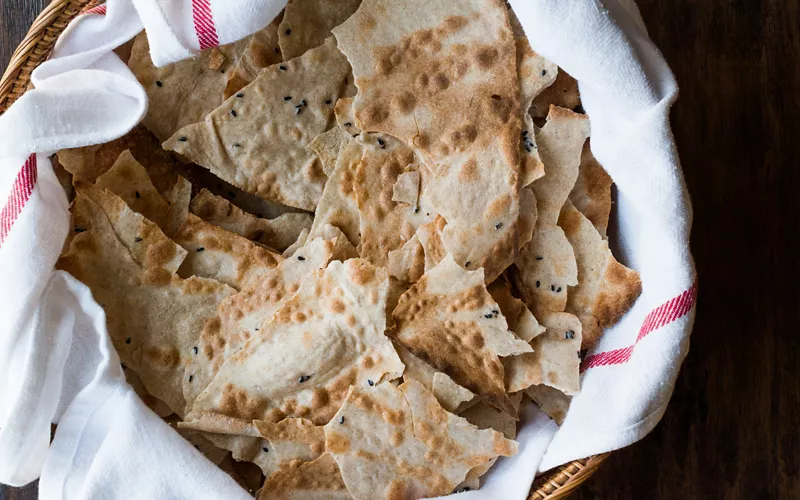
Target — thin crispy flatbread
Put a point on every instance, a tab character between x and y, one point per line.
551	401
606	289
88	163
307	23
278	233
339	206
562	93
262	50
243	315
521	320
445	82
316	480
398	442
183	92
324	339
257	139
154	317
328	145
449	320
592	192
449	394
555	360
291	441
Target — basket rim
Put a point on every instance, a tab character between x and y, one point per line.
35	48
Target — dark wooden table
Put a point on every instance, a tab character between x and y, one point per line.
732	429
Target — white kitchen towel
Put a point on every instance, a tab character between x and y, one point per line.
56	364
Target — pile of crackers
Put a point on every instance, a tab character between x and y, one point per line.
338	256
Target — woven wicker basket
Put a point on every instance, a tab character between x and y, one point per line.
555	484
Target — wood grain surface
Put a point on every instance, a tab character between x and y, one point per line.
732	429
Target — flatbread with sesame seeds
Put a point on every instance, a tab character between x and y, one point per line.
290	441
459	118
562	93
449	320
184	92
88	163
262	51
398	442
327	146
606	289
551	401
278	233
153	316
307	23
555	360
319	479
521	320
449	394
257	139
592	191
328	336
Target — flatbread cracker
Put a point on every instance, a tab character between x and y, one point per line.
243	315
555	360
592	191
258	141
339	206
345	116
398	442
307	23
88	163
562	93
316	480
606	289
535	74
221	255
178	198
551	401
521	320
457	106
129	180
449	394
407	263
449	320
183	92
153	316
324	339
406	189
545	268
327	146
278	233
262	50
290	442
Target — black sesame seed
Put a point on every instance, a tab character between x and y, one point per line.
537	284
488	316
300	257
128	340
498	225
200	249
524	133
559	290
256	329
304	103
569	334
370	382
468	263
287	98
159	84
304	378
195	349
282	67
539	258
341	419
552	288
327	101
528	149
495	312
240	95
277	50
416	210
288	32
233	112
191	377
237	145
182	139
137	240
544	72
348	124
123	365
138	195
381	143
266	450
79	229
